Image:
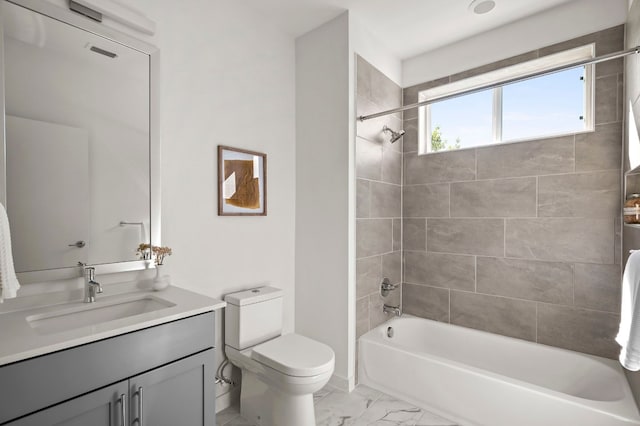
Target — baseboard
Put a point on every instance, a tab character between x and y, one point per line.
345	385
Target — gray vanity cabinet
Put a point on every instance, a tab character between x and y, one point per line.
174	395
99	408
164	374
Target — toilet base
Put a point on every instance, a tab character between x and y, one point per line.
264	405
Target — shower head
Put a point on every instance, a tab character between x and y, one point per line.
394	135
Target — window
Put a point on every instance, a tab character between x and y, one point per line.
548	105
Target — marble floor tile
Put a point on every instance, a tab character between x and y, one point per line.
362	407
321	394
389	411
340	409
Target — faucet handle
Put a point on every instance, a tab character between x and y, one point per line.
386	287
89	272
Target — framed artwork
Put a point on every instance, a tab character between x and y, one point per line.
242	182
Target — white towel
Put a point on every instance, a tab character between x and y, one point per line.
9	284
629	333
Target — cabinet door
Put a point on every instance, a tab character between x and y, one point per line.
103	407
180	393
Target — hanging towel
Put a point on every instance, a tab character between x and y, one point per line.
629	333
9	284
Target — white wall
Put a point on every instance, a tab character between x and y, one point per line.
325	179
322	189
552	26
227	77
374	50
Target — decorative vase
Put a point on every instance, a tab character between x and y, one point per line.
160	282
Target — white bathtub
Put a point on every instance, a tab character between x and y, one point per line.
482	379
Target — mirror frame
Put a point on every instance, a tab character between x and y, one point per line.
83	23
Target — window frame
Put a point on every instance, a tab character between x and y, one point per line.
505	74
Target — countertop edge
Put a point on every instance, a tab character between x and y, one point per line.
116	331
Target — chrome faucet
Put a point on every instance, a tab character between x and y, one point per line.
91	286
388	309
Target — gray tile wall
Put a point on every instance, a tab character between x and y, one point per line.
378	197
521	239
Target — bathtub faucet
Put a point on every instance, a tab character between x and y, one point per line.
387	309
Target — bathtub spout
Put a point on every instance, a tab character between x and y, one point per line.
387	309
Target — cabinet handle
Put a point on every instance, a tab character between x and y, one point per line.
123	409
140	406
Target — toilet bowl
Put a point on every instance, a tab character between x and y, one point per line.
280	373
279	390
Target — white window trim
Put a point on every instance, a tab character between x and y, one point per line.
497	115
522	69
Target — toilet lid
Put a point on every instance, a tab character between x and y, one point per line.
295	355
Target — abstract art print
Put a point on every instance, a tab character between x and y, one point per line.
242	182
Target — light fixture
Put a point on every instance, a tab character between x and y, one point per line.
115	10
480	7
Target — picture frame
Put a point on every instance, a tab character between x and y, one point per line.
242	182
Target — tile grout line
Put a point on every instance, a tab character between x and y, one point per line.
378	181
620	101
568	173
573	284
600	218
449	203
501	296
574	153
475	158
504	237
537	196
529	259
475	274
425	239
536	322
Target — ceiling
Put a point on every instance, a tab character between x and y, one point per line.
406	27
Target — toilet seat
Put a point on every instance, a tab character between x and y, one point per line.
295	355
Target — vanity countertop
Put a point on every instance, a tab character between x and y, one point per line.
21	339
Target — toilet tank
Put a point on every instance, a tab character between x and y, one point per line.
252	317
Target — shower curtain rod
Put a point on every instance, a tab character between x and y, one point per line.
595	60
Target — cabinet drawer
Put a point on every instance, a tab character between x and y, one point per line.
40	382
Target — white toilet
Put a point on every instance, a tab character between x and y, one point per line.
280	373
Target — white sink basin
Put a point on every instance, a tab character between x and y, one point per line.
89	314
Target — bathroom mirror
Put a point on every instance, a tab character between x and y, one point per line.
81	155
